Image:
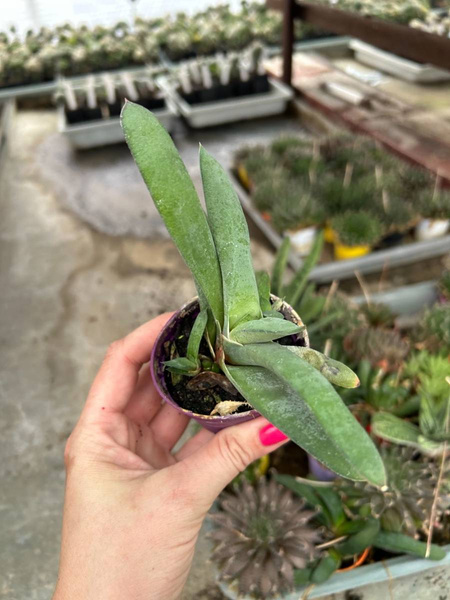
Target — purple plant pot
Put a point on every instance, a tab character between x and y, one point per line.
319	470
160	355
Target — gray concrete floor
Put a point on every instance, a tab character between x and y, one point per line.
67	289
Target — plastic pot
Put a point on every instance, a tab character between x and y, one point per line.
302	240
319	471
428	229
343	252
161	351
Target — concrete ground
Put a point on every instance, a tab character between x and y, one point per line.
84	260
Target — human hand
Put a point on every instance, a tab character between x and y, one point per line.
132	509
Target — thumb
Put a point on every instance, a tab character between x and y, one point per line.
216	464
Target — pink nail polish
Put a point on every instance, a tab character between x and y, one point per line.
270	435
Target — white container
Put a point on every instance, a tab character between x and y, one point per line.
206	114
104	132
428	229
395	65
380	572
302	240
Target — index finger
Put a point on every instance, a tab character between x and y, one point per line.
117	377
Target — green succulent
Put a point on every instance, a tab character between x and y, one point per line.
444	285
431	433
380	347
357	228
262	535
435	205
436	327
286	385
377	314
405	505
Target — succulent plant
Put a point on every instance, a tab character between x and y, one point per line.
356	228
435	204
430	376
444	285
377	314
263	533
405	505
381	347
436	327
272	378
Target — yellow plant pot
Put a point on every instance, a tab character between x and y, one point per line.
328	234
244	178
342	252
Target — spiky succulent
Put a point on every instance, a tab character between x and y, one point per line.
436	326
357	228
377	314
381	347
263	533
405	504
444	285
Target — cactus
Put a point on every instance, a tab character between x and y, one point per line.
436	327
381	347
405	505
357	228
282	386
377	315
262	534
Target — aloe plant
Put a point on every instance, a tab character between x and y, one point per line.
274	379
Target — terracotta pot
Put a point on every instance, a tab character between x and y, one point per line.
160	354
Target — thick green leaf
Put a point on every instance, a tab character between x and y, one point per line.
295	288
263	330
333	503
302	576
351	527
175	198
273	314
391	428
403	544
311	414
196	335
181	366
358	542
326	567
336	372
307	492
280	266
263	283
232	241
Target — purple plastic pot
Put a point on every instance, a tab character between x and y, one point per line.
160	354
319	470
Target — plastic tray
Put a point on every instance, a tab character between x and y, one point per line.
207	114
393	568
371	263
104	132
396	65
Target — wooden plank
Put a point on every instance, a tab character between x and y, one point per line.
402	40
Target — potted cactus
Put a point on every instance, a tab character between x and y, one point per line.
435	212
355	233
219	354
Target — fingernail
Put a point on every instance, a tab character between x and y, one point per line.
270	435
